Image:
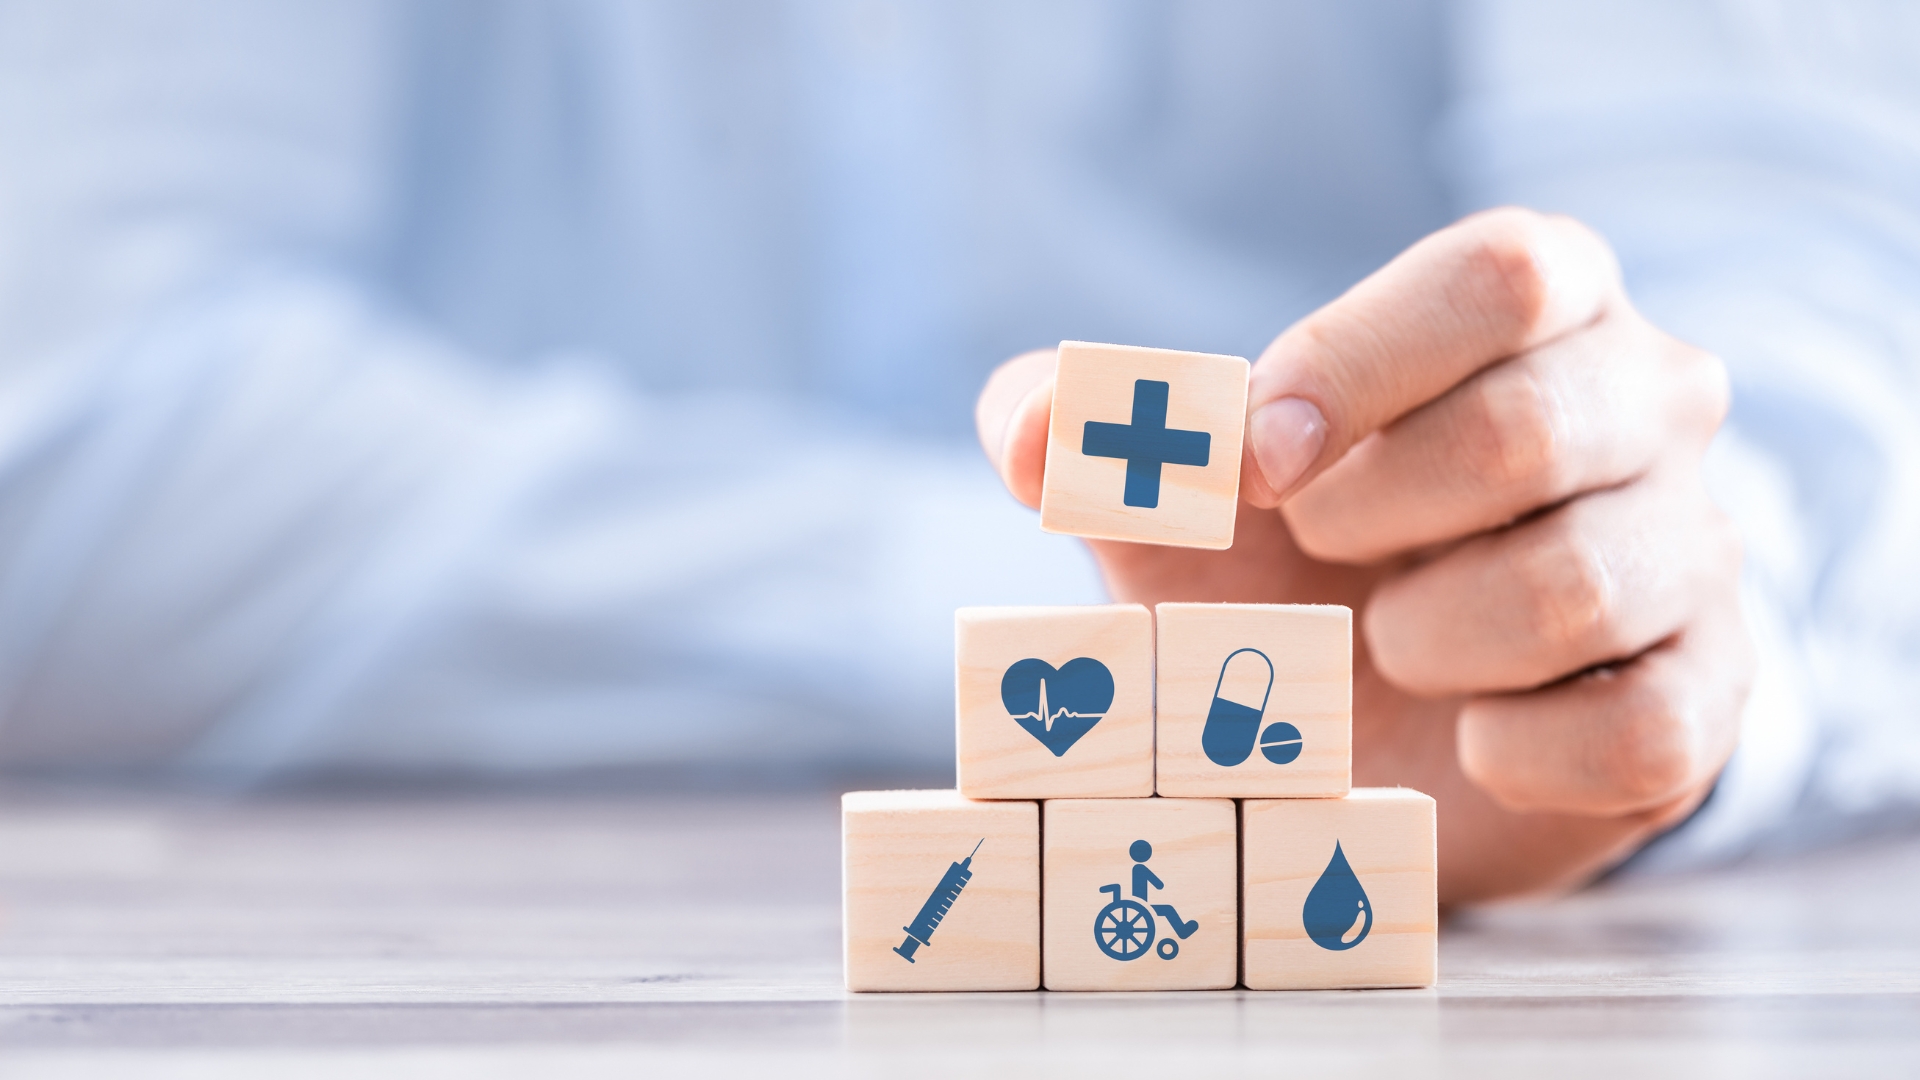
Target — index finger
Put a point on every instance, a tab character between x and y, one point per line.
1483	289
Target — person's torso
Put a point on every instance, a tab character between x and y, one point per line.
875	201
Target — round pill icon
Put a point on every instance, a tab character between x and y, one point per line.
1280	743
1239	700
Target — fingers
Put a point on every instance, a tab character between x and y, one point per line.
1587	411
1489	287
1591	582
1622	740
1011	417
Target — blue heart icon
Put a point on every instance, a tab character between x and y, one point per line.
1057	705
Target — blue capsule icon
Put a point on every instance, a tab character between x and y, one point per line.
1233	720
1239	701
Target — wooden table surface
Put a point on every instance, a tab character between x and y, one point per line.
502	934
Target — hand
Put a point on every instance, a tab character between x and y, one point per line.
1495	461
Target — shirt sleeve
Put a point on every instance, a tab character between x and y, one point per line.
1757	167
258	514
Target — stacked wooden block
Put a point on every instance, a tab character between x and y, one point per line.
1146	800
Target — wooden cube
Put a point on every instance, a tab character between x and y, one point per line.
1054	702
1254	700
1139	894
1144	445
940	892
1339	893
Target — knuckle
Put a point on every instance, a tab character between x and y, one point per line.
1568	590
1513	434
1652	753
1711	388
1407	638
1503	276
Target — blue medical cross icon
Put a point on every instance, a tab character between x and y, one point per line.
1146	444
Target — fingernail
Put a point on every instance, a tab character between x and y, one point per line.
1287	436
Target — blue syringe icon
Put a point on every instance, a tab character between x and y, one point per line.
920	930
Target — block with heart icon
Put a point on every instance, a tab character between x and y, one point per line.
1054	702
1253	700
1339	894
1138	894
1145	445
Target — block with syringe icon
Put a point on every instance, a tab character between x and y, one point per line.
940	892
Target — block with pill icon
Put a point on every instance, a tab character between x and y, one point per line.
1339	894
1139	894
1253	700
940	892
1054	702
1145	445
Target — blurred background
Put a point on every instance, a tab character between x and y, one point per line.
512	388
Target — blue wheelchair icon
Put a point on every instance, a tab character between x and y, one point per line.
1125	928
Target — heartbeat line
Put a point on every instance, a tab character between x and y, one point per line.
1046	718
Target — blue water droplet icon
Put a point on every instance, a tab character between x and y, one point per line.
1337	913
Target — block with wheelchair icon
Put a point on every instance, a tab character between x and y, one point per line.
1339	894
1253	700
1139	894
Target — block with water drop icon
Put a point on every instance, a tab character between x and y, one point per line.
1054	702
1339	894
1254	700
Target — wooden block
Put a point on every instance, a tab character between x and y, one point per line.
1339	894
1145	445
1254	700
1140	894
940	892
1054	702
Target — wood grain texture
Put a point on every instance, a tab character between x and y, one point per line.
896	846
1309	648
1082	494
1085	846
997	758
1387	837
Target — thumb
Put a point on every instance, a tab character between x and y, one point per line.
1011	417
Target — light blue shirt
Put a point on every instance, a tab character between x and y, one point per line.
511	386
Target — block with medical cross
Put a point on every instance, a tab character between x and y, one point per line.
1145	445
